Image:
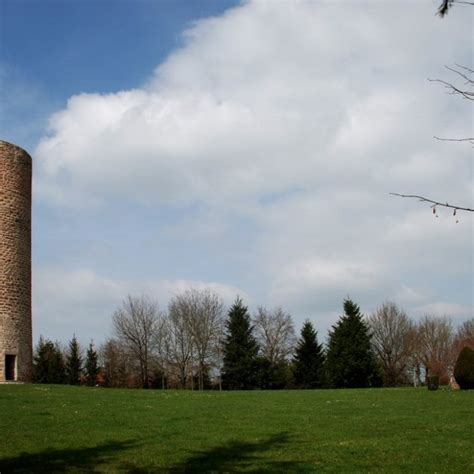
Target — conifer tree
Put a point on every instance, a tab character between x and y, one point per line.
308	362
351	362
73	362
40	362
240	367
48	366
91	367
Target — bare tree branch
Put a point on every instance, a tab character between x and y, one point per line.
453	89
459	73
463	72
469	95
455	139
465	68
434	203
443	9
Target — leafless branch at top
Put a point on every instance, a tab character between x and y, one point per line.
454	139
434	203
447	4
455	90
465	67
469	139
463	72
463	75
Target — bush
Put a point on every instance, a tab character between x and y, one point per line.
464	369
433	382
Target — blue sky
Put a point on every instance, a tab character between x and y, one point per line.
53	49
247	147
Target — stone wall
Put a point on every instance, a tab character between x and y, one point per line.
15	260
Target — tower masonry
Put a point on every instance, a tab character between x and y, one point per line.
15	264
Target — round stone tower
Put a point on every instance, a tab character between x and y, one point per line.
15	264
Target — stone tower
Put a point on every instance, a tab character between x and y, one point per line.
15	264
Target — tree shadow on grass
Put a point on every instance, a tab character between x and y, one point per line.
65	460
241	456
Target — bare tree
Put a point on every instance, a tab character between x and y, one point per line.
434	345
135	324
203	313
393	337
465	91
464	337
275	334
115	361
160	343
179	342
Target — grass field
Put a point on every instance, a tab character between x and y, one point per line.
47	428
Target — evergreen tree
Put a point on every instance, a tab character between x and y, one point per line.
240	368
351	362
74	363
40	362
308	362
48	366
91	367
274	376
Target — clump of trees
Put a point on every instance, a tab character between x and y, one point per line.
54	364
197	344
413	351
48	363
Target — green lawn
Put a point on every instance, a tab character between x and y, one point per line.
48	428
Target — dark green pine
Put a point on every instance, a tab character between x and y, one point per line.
91	366
308	363
73	363
48	365
351	362
240	365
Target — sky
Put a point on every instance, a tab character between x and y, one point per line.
246	147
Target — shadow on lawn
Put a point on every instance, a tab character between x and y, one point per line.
65	460
238	456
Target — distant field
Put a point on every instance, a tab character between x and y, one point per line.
60	428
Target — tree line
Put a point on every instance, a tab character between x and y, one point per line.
198	344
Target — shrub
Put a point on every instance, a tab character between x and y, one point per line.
464	369
433	382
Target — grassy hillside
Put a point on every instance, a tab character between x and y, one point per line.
61	428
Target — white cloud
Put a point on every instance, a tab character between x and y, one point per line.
269	96
297	118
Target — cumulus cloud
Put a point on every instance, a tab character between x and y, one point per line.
294	119
265	98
